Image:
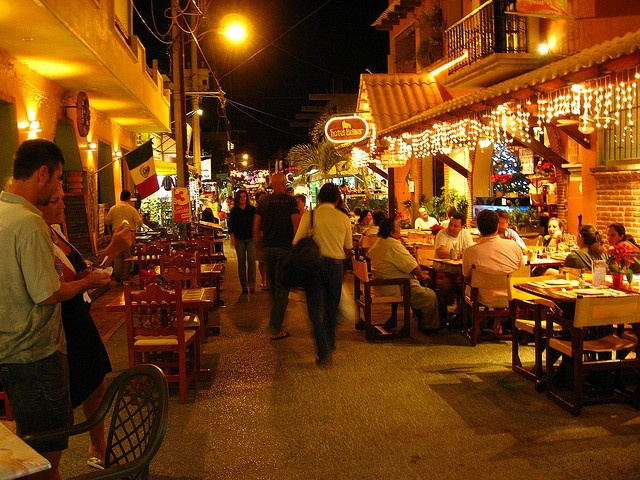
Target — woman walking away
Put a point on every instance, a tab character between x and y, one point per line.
240	222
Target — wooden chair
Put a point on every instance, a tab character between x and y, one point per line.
585	349
474	313
150	256
136	407
529	313
185	269
365	299
156	334
205	248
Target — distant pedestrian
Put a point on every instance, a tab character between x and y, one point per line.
274	226
331	230
240	224
123	213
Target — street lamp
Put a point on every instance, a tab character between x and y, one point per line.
233	27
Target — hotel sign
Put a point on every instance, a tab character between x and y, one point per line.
346	129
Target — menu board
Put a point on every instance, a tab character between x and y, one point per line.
77	223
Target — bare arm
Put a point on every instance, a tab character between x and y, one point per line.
69	290
121	240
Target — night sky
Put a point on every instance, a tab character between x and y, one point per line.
326	53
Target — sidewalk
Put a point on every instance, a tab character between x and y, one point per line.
423	407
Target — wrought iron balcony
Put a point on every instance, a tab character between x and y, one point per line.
494	27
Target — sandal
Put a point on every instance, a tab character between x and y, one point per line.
95	462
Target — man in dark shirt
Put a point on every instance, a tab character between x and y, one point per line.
274	226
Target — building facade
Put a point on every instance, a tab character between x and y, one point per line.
72	71
572	106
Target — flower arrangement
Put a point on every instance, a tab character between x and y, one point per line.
619	259
500	179
436	228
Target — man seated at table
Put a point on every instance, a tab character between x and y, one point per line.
424	222
509	233
448	278
390	259
493	255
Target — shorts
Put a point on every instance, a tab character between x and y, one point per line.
39	397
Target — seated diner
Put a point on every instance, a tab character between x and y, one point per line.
590	248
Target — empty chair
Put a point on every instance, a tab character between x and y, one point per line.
156	334
528	313
585	350
150	256
365	299
185	269
136	407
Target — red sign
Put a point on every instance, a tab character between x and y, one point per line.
346	129
181	205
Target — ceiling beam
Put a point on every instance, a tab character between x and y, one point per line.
452	164
541	150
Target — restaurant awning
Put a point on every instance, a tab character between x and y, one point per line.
587	64
389	99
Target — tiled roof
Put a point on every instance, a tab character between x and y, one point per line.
587	58
389	99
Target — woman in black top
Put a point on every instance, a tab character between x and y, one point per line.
240	223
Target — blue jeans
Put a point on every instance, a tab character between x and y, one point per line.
323	298
279	294
246	252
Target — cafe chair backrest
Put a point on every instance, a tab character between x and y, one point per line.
598	311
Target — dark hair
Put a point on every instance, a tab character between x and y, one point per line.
125	195
33	154
451	210
207	215
487	222
592	239
301	196
236	197
363	214
459	216
502	213
386	227
260	194
378	216
618	227
356	211
329	193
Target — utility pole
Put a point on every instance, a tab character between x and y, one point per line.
195	99
179	100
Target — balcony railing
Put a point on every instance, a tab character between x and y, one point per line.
494	27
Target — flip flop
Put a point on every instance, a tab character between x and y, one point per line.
281	336
95	462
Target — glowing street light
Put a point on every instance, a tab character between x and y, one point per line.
234	28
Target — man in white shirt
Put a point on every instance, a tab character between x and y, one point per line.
123	212
455	235
424	222
448	280
509	233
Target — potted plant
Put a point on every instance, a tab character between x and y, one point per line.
619	259
500	182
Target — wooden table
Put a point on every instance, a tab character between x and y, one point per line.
212	272
192	299
17	458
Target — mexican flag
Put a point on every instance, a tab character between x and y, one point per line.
143	169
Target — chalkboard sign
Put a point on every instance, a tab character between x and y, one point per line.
77	223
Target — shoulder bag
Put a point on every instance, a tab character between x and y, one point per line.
301	265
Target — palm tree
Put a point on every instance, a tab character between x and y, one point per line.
319	154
